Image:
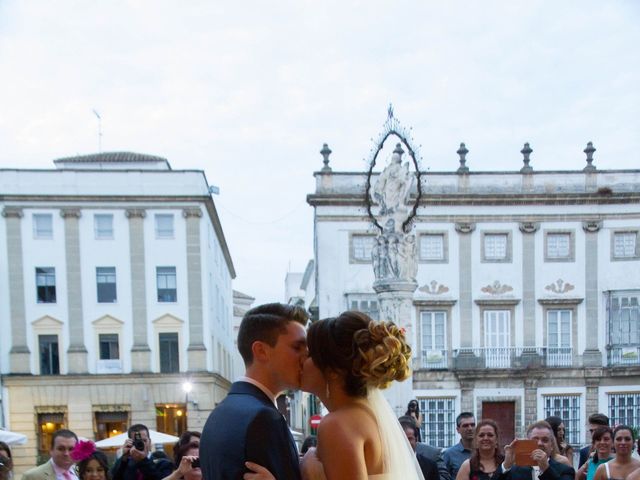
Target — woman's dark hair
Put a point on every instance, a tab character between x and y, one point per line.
624	427
415	403
100	457
597	434
474	462
182	450
555	423
366	352
310	441
185	439
6	464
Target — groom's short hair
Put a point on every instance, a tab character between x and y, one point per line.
265	323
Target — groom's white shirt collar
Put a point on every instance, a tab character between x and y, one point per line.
264	389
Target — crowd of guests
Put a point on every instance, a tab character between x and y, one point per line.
478	455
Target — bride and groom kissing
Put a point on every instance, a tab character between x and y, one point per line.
345	361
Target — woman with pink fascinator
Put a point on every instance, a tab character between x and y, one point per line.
91	464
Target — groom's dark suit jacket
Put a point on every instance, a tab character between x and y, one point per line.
556	471
246	426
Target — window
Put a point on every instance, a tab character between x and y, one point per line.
364	303
42	225
110	424
49	360
432	247
169	361
103	226
625	245
109	346
567	407
171	419
48	423
559	338
106	284
624	328
440	416
496	247
166	280
559	246
164	225
361	246
624	408
46	284
432	328
497	338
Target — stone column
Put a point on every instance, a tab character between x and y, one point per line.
140	352
592	357
592	382
466	395
465	358
530	403
528	230
19	354
196	352
77	352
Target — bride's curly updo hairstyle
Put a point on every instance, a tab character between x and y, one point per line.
368	353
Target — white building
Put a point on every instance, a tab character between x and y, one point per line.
528	297
115	289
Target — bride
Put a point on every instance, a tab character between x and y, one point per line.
351	358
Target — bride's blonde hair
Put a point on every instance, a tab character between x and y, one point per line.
366	352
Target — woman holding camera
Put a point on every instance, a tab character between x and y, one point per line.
413	410
187	462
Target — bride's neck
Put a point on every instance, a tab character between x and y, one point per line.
338	398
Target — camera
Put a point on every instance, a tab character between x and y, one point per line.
138	444
195	463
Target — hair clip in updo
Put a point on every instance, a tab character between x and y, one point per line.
83	450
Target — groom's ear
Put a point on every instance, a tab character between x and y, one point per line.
259	350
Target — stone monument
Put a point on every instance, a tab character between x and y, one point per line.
391	209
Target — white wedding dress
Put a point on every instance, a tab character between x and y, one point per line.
398	458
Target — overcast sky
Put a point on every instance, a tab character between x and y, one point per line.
248	91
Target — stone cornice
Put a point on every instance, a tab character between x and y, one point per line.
560	301
12	212
493	302
70	213
135	213
434	303
191	212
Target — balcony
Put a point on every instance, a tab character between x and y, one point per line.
433	360
502	357
109	366
623	355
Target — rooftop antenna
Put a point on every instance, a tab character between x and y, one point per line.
99	130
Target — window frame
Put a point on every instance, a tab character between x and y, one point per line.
102	338
163	233
571	256
54	357
352	247
37	233
635	410
508	258
571	422
444	235
96	228
622	231
442	422
50	293
358	298
98	283
174	363
166	275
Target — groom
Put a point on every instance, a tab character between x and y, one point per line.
246	425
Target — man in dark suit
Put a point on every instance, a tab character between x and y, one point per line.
429	467
136	462
595	420
546	468
246	426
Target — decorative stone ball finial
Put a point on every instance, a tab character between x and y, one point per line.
462	151
526	152
589	151
325	152
398	151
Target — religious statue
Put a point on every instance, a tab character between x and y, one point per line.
393	185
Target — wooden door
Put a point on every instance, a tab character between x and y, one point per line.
504	414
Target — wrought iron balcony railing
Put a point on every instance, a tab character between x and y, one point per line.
623	355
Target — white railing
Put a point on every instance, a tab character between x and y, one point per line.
434	359
109	366
503	357
559	356
624	355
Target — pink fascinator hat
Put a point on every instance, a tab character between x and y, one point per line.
83	450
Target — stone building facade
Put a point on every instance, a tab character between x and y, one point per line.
528	290
115	290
